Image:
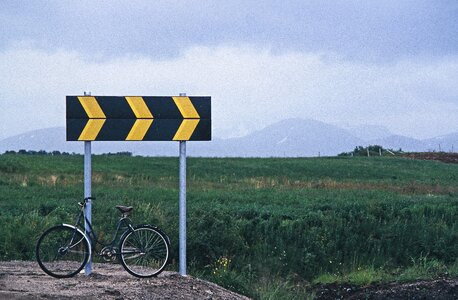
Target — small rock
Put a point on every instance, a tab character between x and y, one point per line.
209	292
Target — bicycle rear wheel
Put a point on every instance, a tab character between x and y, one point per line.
145	251
62	251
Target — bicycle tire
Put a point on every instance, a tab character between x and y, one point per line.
145	251
62	251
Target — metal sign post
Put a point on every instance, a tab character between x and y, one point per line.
182	196
87	194
182	208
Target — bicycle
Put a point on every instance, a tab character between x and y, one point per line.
62	251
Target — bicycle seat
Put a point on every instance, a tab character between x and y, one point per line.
124	209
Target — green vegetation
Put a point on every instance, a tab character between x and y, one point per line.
372	150
267	228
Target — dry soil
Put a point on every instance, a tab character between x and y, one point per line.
25	280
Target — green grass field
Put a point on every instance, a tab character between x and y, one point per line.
267	228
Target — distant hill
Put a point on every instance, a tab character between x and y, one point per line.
47	139
397	142
290	138
448	143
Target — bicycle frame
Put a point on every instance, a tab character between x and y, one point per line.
123	222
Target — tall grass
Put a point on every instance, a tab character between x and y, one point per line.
278	223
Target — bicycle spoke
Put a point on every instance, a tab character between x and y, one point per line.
151	255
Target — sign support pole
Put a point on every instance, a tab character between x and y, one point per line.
87	193
182	229
182	208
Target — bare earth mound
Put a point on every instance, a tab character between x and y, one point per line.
441	156
25	280
443	289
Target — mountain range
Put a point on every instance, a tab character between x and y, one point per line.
287	138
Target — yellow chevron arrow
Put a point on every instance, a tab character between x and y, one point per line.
96	121
91	130
187	110
144	118
186	129
140	128
92	107
138	106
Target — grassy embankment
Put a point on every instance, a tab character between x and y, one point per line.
262	227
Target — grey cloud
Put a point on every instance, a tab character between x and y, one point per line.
369	31
250	87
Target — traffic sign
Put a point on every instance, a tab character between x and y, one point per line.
138	118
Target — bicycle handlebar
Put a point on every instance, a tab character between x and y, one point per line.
83	204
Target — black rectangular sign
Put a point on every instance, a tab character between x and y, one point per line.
138	118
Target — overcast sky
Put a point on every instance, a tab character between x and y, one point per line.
388	63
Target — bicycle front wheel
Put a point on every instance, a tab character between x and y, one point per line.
144	251
62	251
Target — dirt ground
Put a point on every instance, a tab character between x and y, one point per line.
441	156
444	289
25	281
